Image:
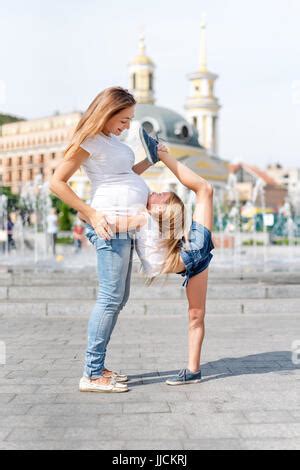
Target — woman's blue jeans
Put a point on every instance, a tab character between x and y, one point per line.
114	266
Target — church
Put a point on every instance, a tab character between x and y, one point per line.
35	147
193	138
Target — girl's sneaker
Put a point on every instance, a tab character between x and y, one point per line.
184	377
150	146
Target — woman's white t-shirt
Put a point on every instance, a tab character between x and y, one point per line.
116	188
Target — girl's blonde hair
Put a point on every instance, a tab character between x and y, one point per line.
107	103
172	228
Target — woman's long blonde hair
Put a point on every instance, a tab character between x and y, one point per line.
172	229
107	103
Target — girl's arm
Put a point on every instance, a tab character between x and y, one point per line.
142	166
122	223
126	223
203	212
185	175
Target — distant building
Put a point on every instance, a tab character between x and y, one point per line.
247	178
32	147
290	179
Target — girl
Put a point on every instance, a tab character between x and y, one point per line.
117	189
164	246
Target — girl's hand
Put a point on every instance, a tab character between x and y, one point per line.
100	224
162	150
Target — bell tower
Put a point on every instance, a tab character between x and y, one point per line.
202	106
141	75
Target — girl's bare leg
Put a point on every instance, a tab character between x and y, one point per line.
197	286
196	294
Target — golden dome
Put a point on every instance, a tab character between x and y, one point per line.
142	58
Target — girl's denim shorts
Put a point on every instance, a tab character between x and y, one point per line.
196	254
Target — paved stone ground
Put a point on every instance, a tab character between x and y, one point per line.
249	397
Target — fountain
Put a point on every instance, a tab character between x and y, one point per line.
3	223
290	227
233	224
36	200
219	224
259	190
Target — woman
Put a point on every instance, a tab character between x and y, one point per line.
164	246
117	189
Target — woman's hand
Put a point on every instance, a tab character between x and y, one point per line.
82	217
100	224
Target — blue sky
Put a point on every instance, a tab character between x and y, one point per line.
58	55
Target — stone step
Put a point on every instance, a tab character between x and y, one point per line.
87	276
155	307
169	291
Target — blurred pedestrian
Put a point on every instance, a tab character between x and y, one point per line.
10	240
52	229
78	234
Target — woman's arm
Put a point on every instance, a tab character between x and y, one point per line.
58	185
142	166
185	175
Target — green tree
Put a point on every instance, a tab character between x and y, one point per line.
6	118
66	213
13	200
65	219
